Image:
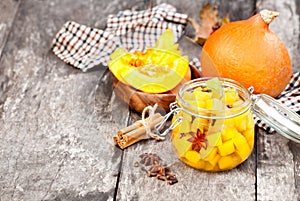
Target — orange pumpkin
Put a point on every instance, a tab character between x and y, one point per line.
249	52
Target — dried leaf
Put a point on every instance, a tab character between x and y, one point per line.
210	22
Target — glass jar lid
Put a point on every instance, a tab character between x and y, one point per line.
277	116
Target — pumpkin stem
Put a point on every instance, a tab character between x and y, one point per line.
268	16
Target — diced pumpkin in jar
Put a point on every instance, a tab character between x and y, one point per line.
192	156
250	122
209	167
202	95
181	144
199	123
242	126
175	130
215	104
239	141
236	159
186	117
216	125
228	133
231	95
211	155
225	162
244	151
201	104
184	127
200	164
242	148
241	122
187	96
215	160
228	162
196	103
229	122
206	152
216	168
237	103
249	135
214	139
226	148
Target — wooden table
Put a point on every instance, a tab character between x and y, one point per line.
57	123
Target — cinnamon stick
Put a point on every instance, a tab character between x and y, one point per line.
135	132
132	127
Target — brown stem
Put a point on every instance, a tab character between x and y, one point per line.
268	16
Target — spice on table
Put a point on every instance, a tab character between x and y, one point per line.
135	132
153	166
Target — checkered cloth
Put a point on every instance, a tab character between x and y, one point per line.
85	47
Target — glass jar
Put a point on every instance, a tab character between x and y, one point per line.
215	126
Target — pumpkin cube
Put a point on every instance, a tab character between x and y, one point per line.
192	156
212	154
242	148
244	151
228	162
200	164
229	122
209	167
250	122
239	141
228	133
249	135
226	148
225	162
241	122
215	160
201	95
231	95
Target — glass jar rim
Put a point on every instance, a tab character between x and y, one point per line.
226	82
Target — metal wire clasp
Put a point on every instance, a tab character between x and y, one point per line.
174	109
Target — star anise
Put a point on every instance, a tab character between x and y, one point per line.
198	139
182	135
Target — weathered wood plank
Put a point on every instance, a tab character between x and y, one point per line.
278	164
295	148
57	123
237	184
8	10
275	169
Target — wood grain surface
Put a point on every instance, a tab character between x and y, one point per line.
57	123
